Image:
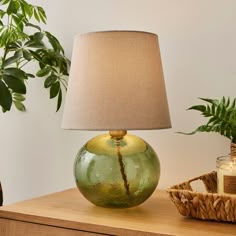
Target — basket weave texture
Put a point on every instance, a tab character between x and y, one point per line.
205	206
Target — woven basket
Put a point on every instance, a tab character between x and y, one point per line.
205	206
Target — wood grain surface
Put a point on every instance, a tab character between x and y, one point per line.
69	211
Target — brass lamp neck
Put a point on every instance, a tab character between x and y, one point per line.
117	134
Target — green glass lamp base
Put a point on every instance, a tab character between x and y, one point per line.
116	172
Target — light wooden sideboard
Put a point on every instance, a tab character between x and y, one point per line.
68	213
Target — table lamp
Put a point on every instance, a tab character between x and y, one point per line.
116	84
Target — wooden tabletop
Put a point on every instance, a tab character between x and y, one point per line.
157	216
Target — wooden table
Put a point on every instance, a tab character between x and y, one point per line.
68	213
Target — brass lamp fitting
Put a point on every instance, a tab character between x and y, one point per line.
117	134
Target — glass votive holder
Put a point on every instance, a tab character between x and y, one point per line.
226	174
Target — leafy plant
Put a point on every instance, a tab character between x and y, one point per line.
222	117
22	41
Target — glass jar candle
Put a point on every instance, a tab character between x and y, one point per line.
226	174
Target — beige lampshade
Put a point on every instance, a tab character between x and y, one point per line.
116	83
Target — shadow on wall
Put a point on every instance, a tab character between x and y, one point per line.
1	195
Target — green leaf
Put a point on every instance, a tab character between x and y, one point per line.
43	71
54	90
54	42
223	101
19	105
3	36
42	14
212	101
2	13
5	97
34	44
22	9
213	108
28	45
15	72
221	117
212	120
33	25
50	80
36	16
18	53
18	97
201	108
18	22
27	8
207	112
16	44
59	100
38	36
35	55
227	102
30	75
10	61
26	54
5	1
218	110
13	7
15	84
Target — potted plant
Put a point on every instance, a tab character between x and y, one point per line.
221	116
22	41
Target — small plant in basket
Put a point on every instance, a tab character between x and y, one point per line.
221	114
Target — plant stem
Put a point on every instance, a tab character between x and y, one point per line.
63	83
5	49
122	167
24	64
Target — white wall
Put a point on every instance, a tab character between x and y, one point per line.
198	46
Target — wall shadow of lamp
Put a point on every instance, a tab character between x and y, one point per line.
116	83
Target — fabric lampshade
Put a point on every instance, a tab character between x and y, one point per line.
116	83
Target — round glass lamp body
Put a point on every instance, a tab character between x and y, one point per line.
116	173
